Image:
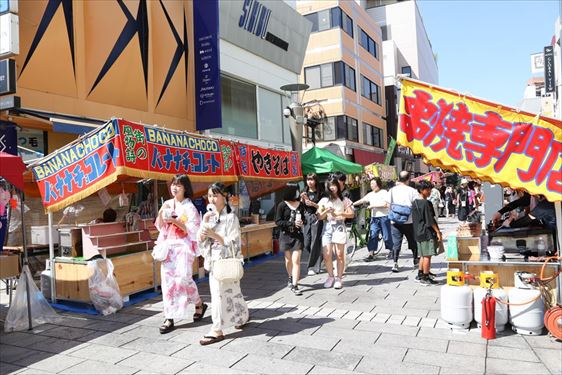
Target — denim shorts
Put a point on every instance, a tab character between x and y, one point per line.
328	231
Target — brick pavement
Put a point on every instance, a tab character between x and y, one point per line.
380	322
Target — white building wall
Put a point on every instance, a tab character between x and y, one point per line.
407	31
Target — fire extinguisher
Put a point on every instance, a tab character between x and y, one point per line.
489	316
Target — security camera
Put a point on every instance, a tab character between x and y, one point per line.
287	112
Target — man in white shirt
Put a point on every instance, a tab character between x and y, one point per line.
403	195
378	201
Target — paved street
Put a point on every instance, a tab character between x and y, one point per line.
380	322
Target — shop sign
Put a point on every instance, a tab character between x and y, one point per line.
269	29
207	65
549	81
124	148
390	151
7	76
481	139
8	137
260	163
9	102
9	35
537	63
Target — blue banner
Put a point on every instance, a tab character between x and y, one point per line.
207	65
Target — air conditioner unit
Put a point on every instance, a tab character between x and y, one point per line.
348	151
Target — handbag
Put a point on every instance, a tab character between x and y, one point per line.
340	235
160	251
228	269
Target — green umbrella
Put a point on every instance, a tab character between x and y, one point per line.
320	161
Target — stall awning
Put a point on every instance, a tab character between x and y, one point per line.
12	169
321	161
121	149
480	139
367	157
62	125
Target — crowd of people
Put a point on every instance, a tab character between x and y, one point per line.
313	220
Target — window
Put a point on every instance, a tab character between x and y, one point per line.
239	108
347	24
373	135
270	115
368	43
349	77
370	90
345	128
312	77
330	19
330	74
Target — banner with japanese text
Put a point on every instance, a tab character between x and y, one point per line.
264	170
481	139
121	148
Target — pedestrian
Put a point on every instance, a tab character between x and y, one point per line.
435	199
219	238
334	209
463	200
426	232
290	220
312	227
178	222
401	198
378	201
449	202
343	187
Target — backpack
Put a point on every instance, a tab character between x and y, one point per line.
398	213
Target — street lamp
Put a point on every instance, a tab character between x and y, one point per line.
309	114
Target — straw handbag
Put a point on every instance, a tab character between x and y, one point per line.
228	269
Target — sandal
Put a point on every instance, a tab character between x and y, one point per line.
168	326
199	316
207	340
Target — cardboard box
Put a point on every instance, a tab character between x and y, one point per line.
9	266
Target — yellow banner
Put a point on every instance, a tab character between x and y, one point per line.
482	140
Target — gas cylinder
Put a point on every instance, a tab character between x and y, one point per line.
488	278
456	301
526	307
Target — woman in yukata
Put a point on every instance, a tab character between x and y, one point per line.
218	237
178	222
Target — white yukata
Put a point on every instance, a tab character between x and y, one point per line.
178	288
228	307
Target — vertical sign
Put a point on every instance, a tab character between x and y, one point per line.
549	82
207	65
390	151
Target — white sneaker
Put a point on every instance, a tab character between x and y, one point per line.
395	267
329	282
311	273
337	283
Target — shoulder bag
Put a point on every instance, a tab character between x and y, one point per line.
340	234
228	269
398	213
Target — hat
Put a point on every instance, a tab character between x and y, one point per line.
464	181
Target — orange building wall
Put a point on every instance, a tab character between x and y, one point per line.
50	83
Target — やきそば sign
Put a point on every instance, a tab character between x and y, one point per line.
481	139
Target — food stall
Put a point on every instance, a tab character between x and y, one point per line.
488	142
261	171
120	152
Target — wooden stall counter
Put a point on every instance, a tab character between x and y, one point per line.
257	239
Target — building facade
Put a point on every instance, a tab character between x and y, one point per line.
343	67
407	51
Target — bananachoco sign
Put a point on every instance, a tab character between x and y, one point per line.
481	139
122	148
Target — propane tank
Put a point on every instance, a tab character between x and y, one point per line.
489	316
456	300
488	278
526	319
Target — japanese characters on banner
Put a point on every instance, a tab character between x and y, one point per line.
124	148
260	163
481	139
135	150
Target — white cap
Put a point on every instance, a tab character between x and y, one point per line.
464	181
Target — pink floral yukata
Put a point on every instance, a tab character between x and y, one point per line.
178	288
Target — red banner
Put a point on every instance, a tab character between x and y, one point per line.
256	163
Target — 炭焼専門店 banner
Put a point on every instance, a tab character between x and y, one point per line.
482	140
125	148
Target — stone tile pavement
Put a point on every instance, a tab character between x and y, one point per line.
380	322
